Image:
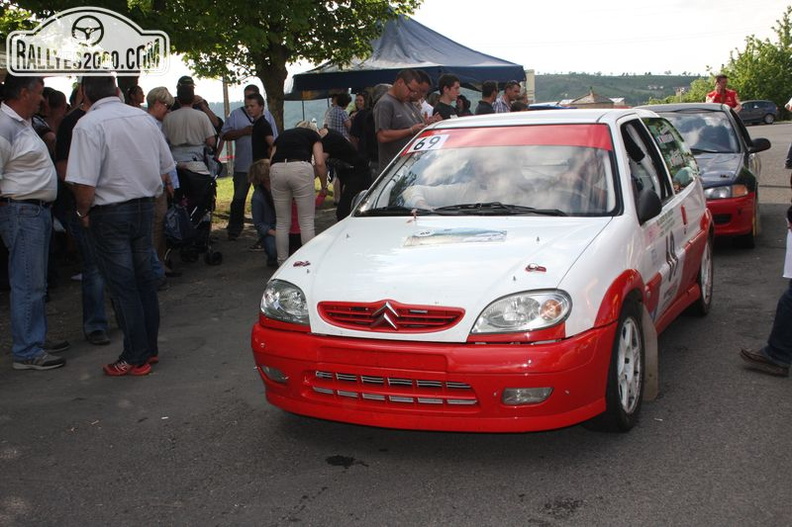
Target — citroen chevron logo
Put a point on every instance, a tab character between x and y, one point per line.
385	316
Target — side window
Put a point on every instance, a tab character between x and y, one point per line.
676	154
646	167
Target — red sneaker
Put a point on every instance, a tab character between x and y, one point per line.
122	367
154	359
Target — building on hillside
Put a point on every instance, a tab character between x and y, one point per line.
592	100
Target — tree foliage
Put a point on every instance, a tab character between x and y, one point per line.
235	39
762	70
12	18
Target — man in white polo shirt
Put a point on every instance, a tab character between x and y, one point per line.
28	186
118	163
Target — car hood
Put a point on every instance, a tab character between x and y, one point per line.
719	169
465	262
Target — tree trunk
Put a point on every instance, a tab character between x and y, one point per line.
272	74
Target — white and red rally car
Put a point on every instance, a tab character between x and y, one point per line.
505	273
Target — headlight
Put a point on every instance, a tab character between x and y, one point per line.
527	311
285	302
733	191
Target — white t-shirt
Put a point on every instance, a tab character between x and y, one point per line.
119	151
26	169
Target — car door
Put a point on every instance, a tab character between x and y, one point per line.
686	199
668	235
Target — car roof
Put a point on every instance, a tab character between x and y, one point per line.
539	117
682	106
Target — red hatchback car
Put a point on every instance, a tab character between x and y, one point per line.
729	162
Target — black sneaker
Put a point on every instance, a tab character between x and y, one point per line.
756	360
45	361
98	338
56	346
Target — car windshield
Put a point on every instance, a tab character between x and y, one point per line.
456	178
705	131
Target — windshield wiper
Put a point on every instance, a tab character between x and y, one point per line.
496	208
695	151
395	210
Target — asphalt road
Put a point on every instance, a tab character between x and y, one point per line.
195	443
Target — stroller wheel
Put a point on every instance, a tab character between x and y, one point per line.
188	255
213	258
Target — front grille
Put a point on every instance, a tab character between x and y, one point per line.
389	316
393	391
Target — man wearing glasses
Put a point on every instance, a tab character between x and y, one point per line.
395	119
511	92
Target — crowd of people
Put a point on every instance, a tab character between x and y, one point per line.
103	167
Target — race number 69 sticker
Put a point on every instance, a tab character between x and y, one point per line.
430	142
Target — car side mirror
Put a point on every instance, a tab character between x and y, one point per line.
648	205
760	144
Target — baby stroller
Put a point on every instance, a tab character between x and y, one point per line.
188	223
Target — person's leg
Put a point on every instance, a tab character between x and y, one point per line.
788	162
158	229
271	251
146	276
779	344
115	232
26	230
93	302
282	198
302	184
236	217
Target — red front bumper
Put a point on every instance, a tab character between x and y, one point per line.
733	216
435	386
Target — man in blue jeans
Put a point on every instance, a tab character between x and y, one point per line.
118	163
94	317
776	356
28	186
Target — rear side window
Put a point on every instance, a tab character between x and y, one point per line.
676	154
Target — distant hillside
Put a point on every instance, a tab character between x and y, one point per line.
636	89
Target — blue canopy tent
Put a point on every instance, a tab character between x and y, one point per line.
405	43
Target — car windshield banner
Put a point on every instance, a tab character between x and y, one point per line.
87	41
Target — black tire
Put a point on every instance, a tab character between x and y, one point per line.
705	280
769	118
625	385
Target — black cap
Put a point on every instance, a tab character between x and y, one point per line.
185	80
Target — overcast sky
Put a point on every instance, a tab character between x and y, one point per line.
610	36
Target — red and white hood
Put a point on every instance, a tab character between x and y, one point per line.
459	262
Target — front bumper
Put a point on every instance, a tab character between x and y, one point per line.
431	386
733	216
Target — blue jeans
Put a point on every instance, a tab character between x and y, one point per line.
779	344
122	237
264	221
94	314
236	216
26	230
